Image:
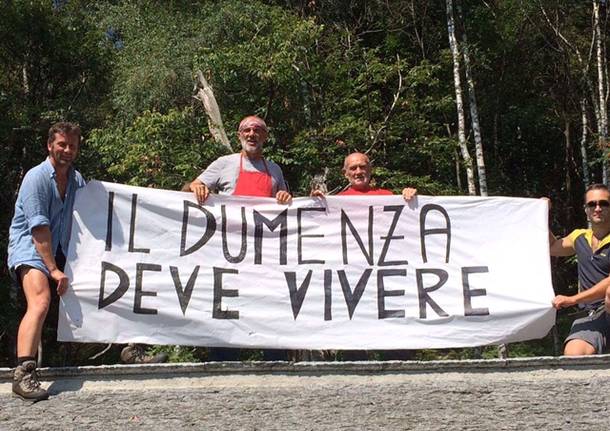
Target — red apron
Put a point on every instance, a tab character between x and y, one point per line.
253	183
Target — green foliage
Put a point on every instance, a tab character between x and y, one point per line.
51	68
157	150
397	180
322	98
151	45
179	353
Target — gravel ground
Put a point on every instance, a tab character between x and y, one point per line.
555	399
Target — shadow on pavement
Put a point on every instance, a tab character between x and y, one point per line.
65	385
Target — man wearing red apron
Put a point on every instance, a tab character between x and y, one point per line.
245	173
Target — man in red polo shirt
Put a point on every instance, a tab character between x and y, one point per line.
357	170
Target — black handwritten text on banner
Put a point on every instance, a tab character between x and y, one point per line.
153	266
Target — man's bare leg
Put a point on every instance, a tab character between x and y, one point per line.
37	293
38	297
578	348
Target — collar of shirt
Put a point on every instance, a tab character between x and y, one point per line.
50	170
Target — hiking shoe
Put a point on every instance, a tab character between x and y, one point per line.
135	354
26	384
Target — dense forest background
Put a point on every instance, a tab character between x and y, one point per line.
498	97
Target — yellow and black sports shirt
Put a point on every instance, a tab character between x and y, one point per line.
593	267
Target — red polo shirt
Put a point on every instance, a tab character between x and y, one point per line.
353	192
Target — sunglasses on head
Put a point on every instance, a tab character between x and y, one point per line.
594	204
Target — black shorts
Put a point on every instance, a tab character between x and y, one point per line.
15	273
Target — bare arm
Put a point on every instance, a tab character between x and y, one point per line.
561	246
41	236
596	293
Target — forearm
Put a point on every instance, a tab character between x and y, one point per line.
41	237
593	294
560	246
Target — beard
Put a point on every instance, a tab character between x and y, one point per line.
251	147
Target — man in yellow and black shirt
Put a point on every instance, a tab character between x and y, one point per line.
588	335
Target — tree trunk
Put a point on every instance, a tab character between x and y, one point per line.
418	37
205	95
474	112
601	84
567	133
583	143
459	100
596	95
25	79
457	171
456	158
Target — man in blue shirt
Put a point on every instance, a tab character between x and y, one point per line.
38	239
589	335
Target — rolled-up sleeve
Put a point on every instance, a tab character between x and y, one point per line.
36	202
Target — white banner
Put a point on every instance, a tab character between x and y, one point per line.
153	266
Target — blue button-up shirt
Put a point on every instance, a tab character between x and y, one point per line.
39	204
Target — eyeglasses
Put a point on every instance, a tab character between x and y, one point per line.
604	204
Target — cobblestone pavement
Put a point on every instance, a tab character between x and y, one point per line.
556	399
